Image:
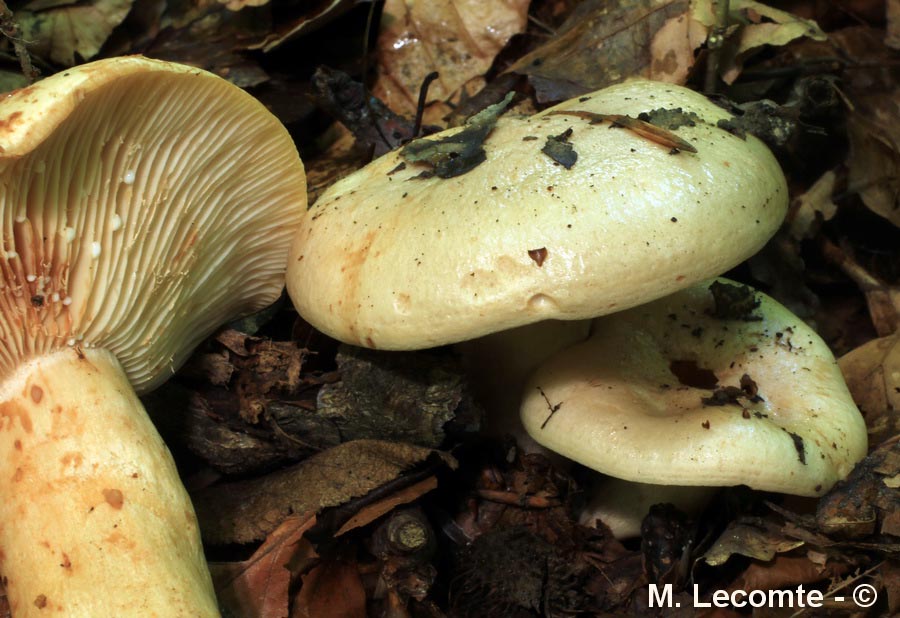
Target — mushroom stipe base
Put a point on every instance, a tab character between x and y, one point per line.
94	520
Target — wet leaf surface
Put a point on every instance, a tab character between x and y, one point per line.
457	38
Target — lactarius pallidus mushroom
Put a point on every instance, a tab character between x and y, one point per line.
581	210
715	385
142	205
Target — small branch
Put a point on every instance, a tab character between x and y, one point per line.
714	43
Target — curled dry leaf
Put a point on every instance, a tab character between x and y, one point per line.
759	25
246	511
258	587
457	38
873	376
61	30
604	42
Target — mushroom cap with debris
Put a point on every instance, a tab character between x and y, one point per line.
557	218
714	385
135	192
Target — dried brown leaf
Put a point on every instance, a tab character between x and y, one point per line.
889	576
873	119
333	589
892	36
872	373
757	539
882	299
259	586
211	42
305	18
457	38
605	41
874	159
785	571
868	500
673	48
246	511
813	207
339	159
62	32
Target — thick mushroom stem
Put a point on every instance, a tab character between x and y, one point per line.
94	520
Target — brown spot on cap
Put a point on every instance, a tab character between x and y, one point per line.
37	393
66	563
40	601
73	459
114	498
12	410
538	255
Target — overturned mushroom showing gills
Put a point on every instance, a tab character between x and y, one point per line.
396	257
688	390
142	204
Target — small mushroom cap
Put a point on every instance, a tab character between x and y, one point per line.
629	402
389	259
142	204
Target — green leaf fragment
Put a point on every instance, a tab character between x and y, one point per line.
460	152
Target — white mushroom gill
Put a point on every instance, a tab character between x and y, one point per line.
112	271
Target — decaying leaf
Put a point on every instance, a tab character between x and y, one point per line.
561	150
892	36
61	31
207	35
754	538
867	501
605	41
333	589
872	373
414	398
874	161
457	38
883	299
812	207
259	586
246	511
375	126
304	18
873	119
786	571
758	25
11	80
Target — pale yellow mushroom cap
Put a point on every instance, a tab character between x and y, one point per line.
142	204
388	259
619	407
